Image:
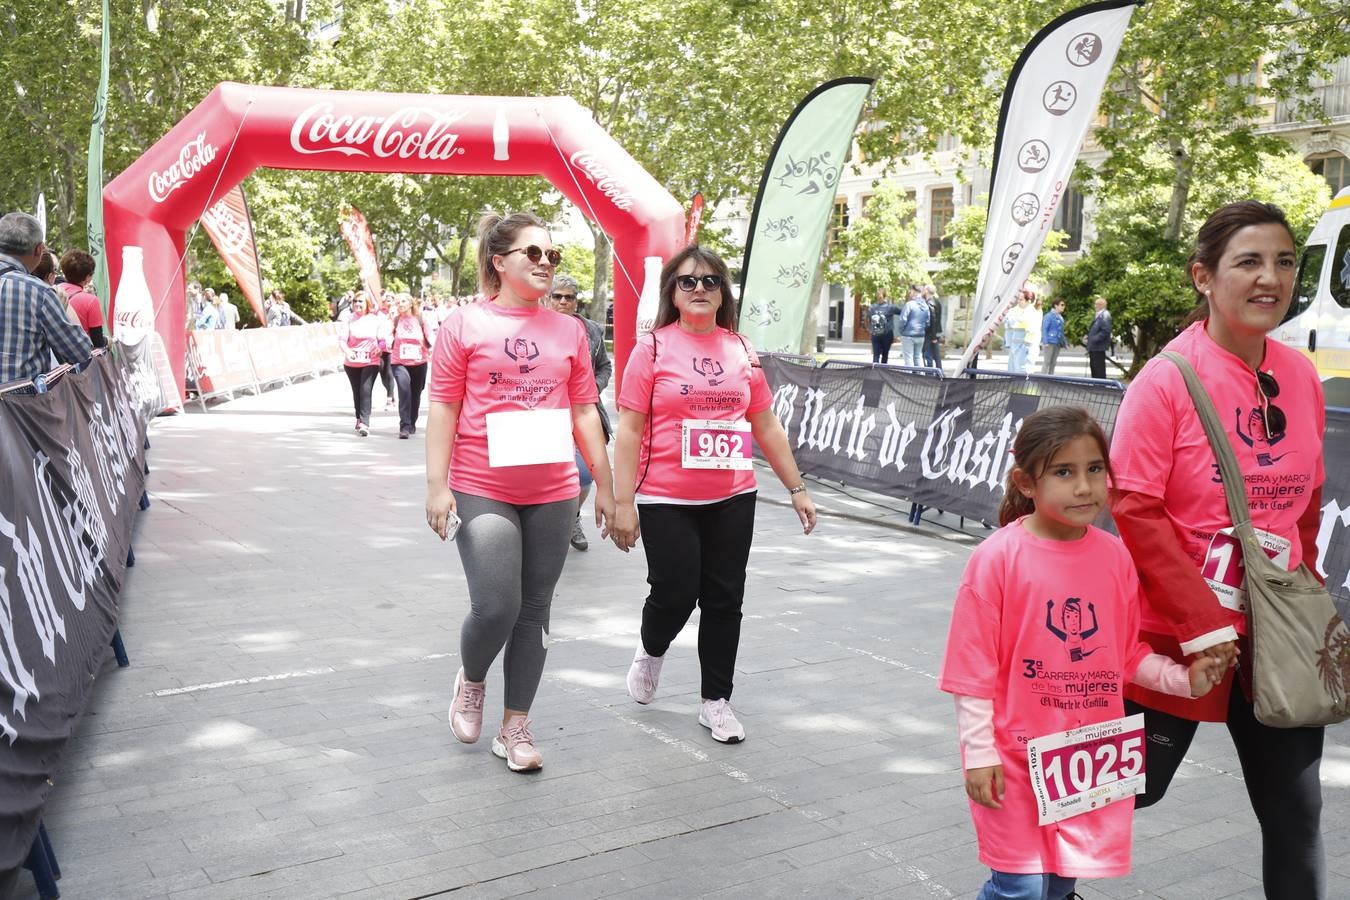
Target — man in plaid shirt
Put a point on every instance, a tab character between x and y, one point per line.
33	323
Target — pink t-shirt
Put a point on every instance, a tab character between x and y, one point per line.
492	359
410	343
690	376
363	338
1159	447
85	305
1047	630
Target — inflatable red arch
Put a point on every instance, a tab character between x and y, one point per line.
239	128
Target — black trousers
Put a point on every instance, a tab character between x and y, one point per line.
363	382
410	380
386	374
881	347
932	354
1097	363
1281	768
696	555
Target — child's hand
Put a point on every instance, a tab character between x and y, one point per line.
985	786
1206	672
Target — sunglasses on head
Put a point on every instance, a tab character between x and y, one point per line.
689	282
1274	417
563	298
534	253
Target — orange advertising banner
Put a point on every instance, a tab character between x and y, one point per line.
228	225
357	232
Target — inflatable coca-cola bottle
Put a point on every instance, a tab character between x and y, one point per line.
134	317
650	297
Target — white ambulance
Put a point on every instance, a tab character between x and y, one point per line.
1318	323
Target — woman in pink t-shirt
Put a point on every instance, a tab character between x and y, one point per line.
408	355
1170	508
78	269
363	338
1044	637
693	395
511	391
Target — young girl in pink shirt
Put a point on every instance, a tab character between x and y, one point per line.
1044	638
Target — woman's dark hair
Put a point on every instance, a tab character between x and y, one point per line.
496	234
1212	240
1043	434
77	265
665	308
46	266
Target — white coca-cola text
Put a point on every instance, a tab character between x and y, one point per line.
195	156
600	176
229	230
407	133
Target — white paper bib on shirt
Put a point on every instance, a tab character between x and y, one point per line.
715	444
362	353
1083	769
1225	572
410	353
529	437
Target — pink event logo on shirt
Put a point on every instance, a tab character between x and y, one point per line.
410	132
194	157
601	177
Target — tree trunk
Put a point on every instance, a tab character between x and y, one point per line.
1183	172
604	262
457	267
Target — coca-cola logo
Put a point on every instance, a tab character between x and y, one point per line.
228	230
412	132
194	157
600	176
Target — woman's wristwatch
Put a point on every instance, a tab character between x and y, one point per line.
799	489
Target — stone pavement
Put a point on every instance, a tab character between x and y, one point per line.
293	631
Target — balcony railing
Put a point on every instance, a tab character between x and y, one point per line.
1335	99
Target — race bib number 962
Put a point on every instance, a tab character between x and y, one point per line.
713	444
1077	771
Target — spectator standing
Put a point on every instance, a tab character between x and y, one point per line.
881	324
210	319
409	364
229	313
1099	339
1034	318
77	267
912	323
564	297
1052	336
933	336
1015	334
33	323
276	310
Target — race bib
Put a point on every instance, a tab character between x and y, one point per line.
529	437
713	444
1077	771
411	353
363	353
1225	572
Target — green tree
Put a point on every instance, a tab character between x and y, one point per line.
878	252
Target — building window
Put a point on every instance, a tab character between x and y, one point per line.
939	217
838	220
1335	169
1069	218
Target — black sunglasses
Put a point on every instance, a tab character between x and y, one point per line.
689	282
1274	417
534	253
562	297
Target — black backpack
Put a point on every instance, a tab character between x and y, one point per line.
879	322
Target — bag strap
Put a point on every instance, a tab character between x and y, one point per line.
1234	488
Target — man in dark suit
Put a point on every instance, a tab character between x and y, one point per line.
1099	339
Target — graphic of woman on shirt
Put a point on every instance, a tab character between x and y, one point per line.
1071	617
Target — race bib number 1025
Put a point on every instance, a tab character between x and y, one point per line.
1077	771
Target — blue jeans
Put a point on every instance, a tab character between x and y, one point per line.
1005	886
582	472
913	347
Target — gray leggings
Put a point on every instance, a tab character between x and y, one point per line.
510	587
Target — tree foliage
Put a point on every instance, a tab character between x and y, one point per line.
878	252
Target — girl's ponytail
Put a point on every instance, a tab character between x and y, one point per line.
1015	504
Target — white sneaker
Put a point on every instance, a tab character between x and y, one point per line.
643	675
717	717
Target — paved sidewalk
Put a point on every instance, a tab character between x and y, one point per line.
293	630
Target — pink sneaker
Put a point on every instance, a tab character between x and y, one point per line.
644	675
515	744
466	711
717	717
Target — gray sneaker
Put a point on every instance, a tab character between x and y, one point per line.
643	675
578	539
717	717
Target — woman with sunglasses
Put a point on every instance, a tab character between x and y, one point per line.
511	391
1169	506
363	337
692	397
